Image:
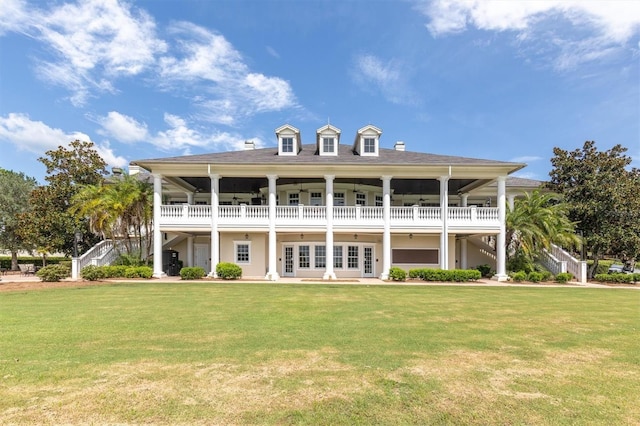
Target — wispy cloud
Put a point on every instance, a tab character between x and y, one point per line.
273	52
526	159
593	28
179	134
208	61
37	137
375	75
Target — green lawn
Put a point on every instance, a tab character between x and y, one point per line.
319	354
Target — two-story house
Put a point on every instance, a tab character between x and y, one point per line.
329	210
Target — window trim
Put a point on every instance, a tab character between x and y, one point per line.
236	245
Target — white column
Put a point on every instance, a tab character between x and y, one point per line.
190	198
157	235
501	271
190	251
463	241
386	233
329	274
511	198
444	213
272	273
215	235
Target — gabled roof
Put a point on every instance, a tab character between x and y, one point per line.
269	156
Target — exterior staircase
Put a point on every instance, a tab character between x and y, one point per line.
103	253
559	260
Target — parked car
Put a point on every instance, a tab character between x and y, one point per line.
620	269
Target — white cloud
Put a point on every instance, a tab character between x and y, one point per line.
212	65
526	159
273	52
91	42
123	127
596	28
372	74
37	137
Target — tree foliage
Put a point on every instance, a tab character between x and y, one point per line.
536	221
118	208
49	225
15	189
604	198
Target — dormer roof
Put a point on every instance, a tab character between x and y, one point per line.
327	131
288	131
367	132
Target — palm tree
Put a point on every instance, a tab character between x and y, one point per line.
118	209
536	221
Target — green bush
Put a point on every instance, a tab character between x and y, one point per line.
616	278
92	273
228	271
636	278
397	274
534	276
603	266
563	277
441	275
519	276
192	273
53	273
114	271
133	259
5	261
485	270
138	272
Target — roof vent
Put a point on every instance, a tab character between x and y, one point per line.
249	145
399	146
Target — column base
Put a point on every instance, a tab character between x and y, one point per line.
272	276
384	276
160	274
329	276
212	275
500	278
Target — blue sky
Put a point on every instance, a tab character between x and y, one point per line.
504	80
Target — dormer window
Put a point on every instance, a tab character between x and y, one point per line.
328	145
367	141
288	140
287	145
328	140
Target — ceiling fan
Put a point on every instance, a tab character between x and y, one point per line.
301	190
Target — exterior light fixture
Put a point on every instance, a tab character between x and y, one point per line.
77	237
246	236
302	236
410	236
355	236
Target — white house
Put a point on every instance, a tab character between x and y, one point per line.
330	210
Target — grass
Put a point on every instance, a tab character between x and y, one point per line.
319	354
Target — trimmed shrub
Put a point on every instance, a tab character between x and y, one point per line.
5	261
534	276
415	273
133	259
457	275
563	277
397	274
228	271
485	270
138	272
636	278
53	273
603	266
192	273
615	278
114	271
519	276
92	273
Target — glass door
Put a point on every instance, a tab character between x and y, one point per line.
287	269
368	261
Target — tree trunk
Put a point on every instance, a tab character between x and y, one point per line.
14	261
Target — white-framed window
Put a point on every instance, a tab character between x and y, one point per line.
304	260
338	261
242	251
315	198
328	145
379	201
369	146
361	199
353	258
320	257
287	145
338	199
294	198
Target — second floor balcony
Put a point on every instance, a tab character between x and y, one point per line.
483	219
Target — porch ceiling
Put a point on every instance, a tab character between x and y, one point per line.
398	186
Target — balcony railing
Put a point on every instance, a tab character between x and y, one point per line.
316	216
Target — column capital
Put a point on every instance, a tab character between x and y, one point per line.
386	177
501	178
444	178
272	177
214	175
329	177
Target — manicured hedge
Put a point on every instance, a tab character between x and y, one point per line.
441	275
94	273
563	277
53	273
5	261
397	274
618	278
192	273
228	271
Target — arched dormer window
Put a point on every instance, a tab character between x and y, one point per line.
288	140
367	141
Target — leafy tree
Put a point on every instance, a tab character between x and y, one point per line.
118	208
49	225
604	199
536	221
14	200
